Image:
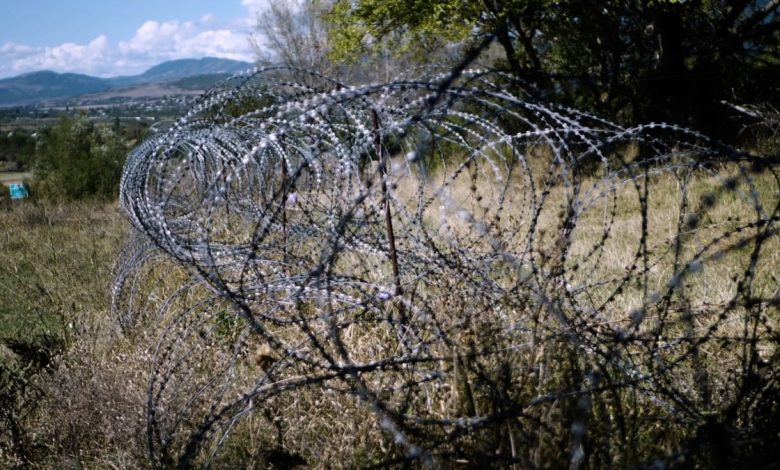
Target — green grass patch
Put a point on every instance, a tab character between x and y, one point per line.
55	267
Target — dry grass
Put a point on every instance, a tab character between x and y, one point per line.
498	353
84	386
55	267
55	270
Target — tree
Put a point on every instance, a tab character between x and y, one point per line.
79	159
670	60
294	35
16	150
297	34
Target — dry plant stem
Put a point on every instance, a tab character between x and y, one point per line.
284	206
386	201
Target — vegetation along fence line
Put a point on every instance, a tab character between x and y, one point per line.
406	272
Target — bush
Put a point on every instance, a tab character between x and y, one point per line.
17	149
79	159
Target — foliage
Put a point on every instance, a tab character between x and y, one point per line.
294	34
399	25
79	159
17	150
644	60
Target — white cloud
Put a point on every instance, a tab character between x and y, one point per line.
13	50
86	58
174	39
156	38
221	43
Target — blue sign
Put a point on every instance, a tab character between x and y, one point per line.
18	191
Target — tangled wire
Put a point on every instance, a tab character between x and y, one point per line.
428	273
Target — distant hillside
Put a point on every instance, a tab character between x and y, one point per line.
184	68
39	86
200	82
45	86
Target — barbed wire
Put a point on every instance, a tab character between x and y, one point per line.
483	274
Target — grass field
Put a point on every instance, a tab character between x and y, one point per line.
85	402
57	334
55	268
650	281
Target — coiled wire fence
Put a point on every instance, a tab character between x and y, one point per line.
441	270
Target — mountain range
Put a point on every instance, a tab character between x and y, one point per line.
47	86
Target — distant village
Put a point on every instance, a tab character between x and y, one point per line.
148	111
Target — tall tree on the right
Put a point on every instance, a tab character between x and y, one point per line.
670	60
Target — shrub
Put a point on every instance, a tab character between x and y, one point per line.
79	159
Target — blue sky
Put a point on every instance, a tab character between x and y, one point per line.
121	37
